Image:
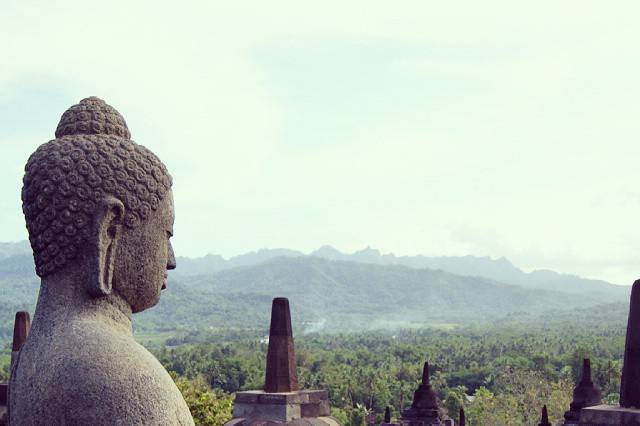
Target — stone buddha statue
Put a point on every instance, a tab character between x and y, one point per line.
99	211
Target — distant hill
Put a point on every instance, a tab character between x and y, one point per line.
330	294
14	249
496	269
18	289
500	270
213	263
350	294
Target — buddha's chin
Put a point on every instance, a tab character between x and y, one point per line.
147	303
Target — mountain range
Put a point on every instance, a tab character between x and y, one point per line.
501	269
330	290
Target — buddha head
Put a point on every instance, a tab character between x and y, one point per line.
99	208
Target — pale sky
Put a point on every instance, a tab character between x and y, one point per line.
440	128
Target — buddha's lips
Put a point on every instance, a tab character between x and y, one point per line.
164	282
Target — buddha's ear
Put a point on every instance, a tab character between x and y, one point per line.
107	228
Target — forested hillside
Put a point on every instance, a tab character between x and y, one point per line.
326	295
501	269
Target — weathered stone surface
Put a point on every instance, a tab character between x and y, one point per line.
630	381
297	397
318	421
424	409
544	419
68	178
99	212
247	397
281	373
3	394
586	394
283	398
315	409
267	412
609	415
283	406
276	405
424	396
3	404
21	327
316	395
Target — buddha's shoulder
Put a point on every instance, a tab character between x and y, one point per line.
97	364
107	351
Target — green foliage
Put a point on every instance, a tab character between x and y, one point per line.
359	415
454	399
518	398
484	409
208	407
341	415
5	363
501	376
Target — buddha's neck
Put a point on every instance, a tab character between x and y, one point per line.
63	299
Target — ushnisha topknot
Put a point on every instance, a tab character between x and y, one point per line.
91	157
92	116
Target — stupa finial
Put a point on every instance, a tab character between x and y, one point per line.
425	374
281	373
21	327
586	372
630	380
544	420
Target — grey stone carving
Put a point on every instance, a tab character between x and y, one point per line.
544	418
586	394
424	410
99	211
281	402
21	326
281	375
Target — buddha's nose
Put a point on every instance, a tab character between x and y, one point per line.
171	261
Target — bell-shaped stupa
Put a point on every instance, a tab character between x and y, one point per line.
424	410
586	394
